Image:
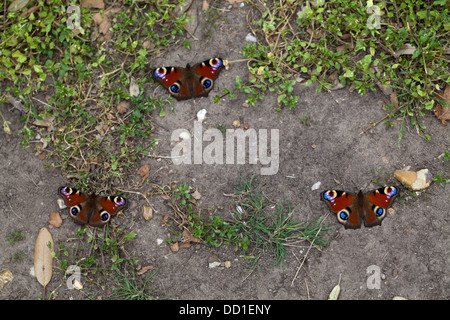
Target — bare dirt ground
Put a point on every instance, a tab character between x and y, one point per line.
411	248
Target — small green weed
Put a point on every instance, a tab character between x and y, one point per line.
446	155
306	121
440	178
15	237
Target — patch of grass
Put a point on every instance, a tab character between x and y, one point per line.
258	227
338	43
130	286
271	231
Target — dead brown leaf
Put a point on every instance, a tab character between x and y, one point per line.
55	219
205	5
405	49
144	270
443	112
234	1
196	195
175	247
45	122
144	171
104	26
187	237
394	100
147	212
123	106
17	5
43	259
97	4
134	87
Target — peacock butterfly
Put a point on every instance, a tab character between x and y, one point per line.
353	209
93	210
189	82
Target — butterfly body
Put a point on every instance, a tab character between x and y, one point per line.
354	209
190	82
91	209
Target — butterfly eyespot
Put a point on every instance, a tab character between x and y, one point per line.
329	195
104	216
378	211
66	191
74	210
206	83
120	201
216	62
343	215
160	72
175	88
390	191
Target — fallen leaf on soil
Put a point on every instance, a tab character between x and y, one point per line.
394	100
236	123
405	49
98	4
336	290
45	122
5	276
174	247
197	195
443	112
43	260
101	20
187	237
144	270
134	87
17	5
123	107
144	171
55	219
147	212
205	5
17	104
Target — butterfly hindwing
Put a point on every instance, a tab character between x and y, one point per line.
377	203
